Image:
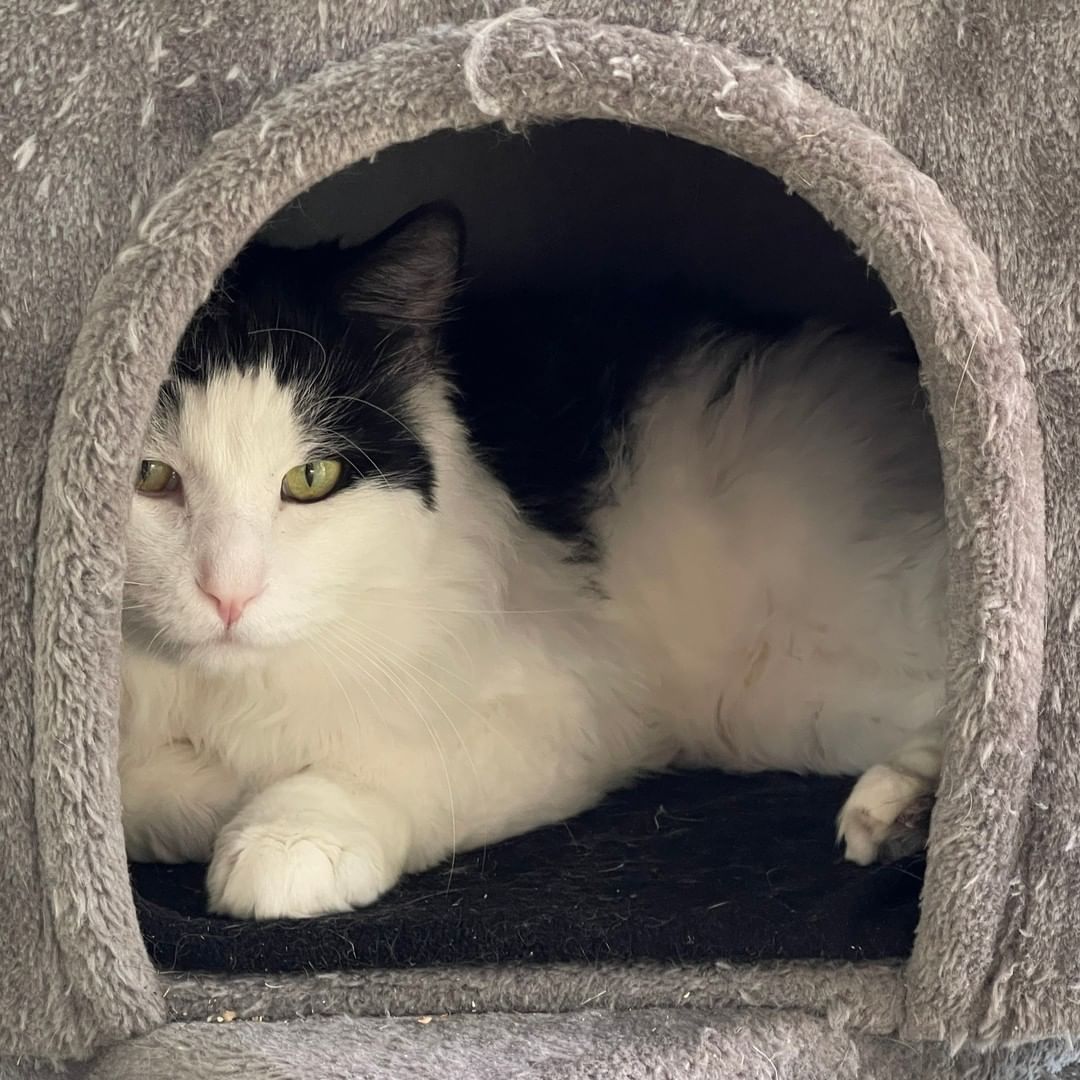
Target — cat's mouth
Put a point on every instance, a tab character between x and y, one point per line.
226	650
223	649
201	642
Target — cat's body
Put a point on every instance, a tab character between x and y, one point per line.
324	696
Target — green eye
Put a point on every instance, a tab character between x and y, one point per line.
156	478
311	481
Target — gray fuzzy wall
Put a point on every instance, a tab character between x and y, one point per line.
153	138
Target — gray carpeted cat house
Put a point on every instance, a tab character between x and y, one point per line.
918	165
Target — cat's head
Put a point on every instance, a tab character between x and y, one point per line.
290	467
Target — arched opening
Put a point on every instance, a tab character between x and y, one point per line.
572	230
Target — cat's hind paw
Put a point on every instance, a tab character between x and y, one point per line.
885	816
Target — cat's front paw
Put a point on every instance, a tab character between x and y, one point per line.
885	816
307	846
277	870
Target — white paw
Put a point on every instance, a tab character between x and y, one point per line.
275	870
870	815
307	846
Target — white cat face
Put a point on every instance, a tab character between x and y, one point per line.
286	476
226	565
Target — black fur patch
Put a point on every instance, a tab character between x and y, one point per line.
548	381
354	327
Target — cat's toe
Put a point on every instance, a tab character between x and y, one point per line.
268	872
861	834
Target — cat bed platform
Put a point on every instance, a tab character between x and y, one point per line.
145	144
686	868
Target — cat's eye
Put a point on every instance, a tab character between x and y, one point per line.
311	481
156	478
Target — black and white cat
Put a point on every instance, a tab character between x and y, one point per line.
349	652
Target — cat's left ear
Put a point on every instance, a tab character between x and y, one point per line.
406	275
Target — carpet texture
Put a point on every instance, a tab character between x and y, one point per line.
684	868
144	142
652	1044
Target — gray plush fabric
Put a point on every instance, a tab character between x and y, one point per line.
733	1044
866	997
143	142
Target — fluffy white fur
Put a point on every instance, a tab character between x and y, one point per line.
408	682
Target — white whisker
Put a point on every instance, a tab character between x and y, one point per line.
368	653
378	408
290	330
360	593
352	620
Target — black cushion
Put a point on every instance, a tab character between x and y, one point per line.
685	867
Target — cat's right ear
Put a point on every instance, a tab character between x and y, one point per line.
406	276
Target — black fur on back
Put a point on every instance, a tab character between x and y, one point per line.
547	381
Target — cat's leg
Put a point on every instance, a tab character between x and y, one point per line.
318	842
877	813
175	801
307	845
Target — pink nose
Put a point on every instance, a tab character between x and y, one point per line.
230	607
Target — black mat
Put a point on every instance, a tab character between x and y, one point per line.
688	867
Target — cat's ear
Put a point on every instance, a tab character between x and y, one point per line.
406	275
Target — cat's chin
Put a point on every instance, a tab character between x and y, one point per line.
225	655
221	655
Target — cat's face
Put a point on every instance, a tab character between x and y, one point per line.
289	471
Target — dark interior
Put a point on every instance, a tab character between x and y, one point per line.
589	205
572	230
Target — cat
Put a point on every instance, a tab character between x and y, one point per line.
350	651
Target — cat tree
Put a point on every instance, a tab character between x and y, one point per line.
145	143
